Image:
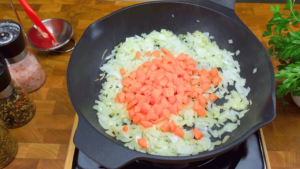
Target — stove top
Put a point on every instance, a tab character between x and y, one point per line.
250	154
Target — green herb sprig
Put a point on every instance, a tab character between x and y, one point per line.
285	45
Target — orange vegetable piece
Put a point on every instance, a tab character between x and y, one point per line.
166	51
132	103
201	112
191	61
185	99
195	82
116	100
196	105
126	82
143	142
156	53
135	87
198	134
146	124
121	97
205	86
156	93
214	72
122	71
172	126
125	128
138	54
165	127
166	113
202	100
199	90
159	120
212	97
216	80
135	119
131	113
145	107
182	57
151	115
137	109
179	132
129	97
133	75
125	89
148	53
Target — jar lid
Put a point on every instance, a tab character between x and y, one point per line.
5	77
12	42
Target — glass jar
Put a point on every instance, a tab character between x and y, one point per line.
16	107
28	72
23	65
8	147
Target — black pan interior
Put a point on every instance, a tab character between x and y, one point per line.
108	32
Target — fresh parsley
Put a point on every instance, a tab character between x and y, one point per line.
285	45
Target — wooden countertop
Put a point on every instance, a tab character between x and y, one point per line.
44	141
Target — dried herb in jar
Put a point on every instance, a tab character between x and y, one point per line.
17	109
8	147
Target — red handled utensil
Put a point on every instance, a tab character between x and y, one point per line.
39	24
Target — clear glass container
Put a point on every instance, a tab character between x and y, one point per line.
28	72
17	109
8	147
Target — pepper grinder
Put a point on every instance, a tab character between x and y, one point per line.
23	65
16	107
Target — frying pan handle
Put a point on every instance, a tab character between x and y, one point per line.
227	3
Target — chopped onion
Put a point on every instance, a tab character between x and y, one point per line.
254	70
230	41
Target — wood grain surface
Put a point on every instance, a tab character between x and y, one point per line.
44	141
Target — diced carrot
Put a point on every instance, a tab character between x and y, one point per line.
145	107
186	77
167	59
216	80
196	105
135	87
166	113
171	92
159	109
132	103
214	72
194	94
141	79
137	109
125	128
147	64
172	126
153	67
185	99
148	53
212	97
143	142
126	82
166	92
182	57
144	88
159	120
199	90
165	102
138	54
198	134
172	99
140	115
204	79
179	132
165	127
202	100
126	90
201	112
129	97
131	113
156	53
146	124
165	50
179	98
122	71
167	67
191	61
156	93
135	119
202	71
195	82
205	86
179	106
116	100
190	68
163	82
121	97
151	115
173	109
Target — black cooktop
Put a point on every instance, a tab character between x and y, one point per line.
249	155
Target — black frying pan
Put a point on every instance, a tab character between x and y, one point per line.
217	19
